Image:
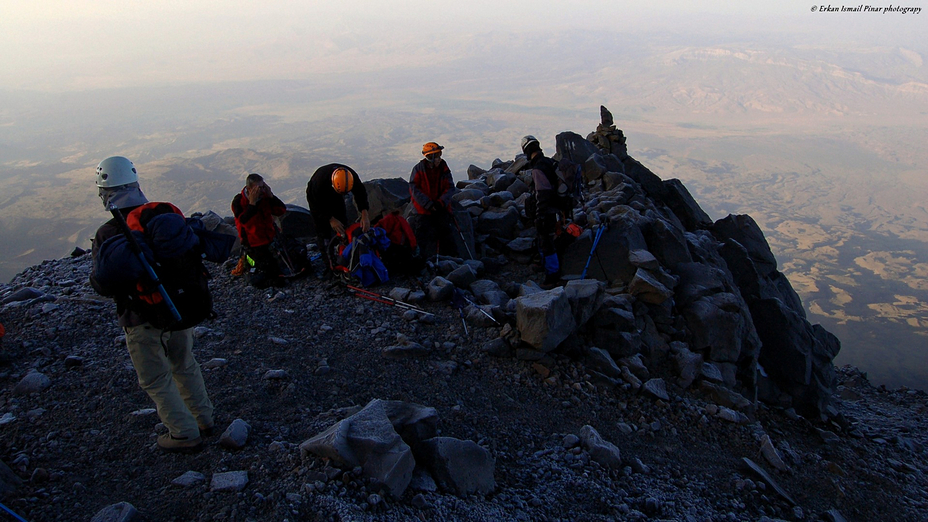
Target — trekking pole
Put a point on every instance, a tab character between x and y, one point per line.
456	299
373	296
461	295
137	250
599	233
454	220
10	511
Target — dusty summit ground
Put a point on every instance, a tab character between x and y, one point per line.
82	444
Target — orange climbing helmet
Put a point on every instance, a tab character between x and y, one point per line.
431	148
342	180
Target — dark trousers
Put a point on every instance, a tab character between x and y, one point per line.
435	233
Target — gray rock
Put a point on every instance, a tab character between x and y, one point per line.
121	512
33	382
215	362
189	479
440	289
422	481
459	466
585	297
236	435
498	347
367	439
73	361
399	293
711	372
275	375
23	294
384	195
229	481
770	453
689	366
502	224
763	475
656	388
413	422
643	259
482	288
730	415
9	480
405	350
570	441
636	364
462	276
544	319
631	378
645	287
600	450
600	360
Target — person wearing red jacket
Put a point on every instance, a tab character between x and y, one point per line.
254	210
431	189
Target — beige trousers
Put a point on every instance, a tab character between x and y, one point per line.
171	376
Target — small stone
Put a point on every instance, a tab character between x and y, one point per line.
143	412
828	437
121	512
374	499
200	331
570	441
278	341
189	479
236	435
7	418
229	481
275	374
73	361
33	382
656	388
215	362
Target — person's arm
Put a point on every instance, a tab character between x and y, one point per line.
415	192
359	191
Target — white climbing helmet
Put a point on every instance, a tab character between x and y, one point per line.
528	140
116	171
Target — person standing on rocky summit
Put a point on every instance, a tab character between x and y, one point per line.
543	207
163	358
254	210
325	194
431	188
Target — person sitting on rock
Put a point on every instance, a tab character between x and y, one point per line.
325	194
254	210
431	189
544	201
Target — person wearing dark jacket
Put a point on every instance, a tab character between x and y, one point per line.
431	188
544	181
325	194
164	363
254	210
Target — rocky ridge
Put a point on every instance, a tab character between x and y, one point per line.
683	382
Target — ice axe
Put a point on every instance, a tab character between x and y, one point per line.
599	234
149	271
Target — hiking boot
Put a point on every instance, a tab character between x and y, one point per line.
168	442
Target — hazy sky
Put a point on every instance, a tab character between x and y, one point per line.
59	45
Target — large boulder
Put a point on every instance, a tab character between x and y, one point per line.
544	319
459	466
386	195
574	147
298	222
585	297
367	439
609	262
744	230
679	200
502	224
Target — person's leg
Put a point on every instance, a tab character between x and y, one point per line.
324	234
154	374
187	376
544	235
